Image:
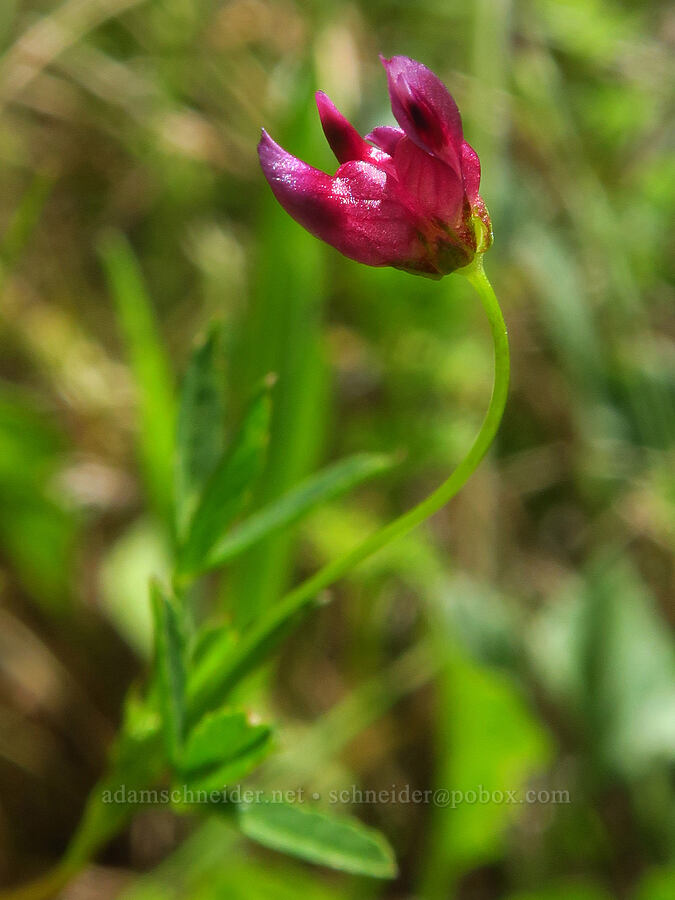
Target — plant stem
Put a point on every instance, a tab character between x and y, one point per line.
273	626
451	486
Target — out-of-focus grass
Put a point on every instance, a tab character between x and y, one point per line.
522	639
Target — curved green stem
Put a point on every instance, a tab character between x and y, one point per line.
275	624
447	490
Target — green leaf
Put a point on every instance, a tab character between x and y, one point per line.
318	837
213	645
254	647
627	665
243	655
226	491
491	741
602	648
223	747
149	364
483	701
234	659
170	669
326	485
199	430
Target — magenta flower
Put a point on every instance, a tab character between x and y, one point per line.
405	197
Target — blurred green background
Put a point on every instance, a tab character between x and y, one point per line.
523	638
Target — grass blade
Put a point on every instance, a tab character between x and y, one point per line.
170	669
227	489
199	430
149	365
330	483
223	747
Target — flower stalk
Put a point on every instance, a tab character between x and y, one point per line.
400	526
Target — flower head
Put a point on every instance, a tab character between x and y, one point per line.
405	197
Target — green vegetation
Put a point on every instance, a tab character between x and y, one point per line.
201	406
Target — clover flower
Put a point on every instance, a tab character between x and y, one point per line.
405	197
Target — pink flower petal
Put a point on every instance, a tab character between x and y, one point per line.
358	210
345	141
424	109
404	197
386	137
470	172
434	190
